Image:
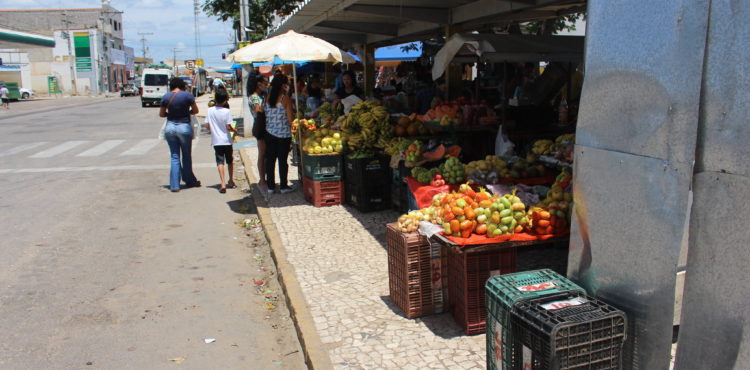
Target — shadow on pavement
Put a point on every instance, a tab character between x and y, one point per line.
441	324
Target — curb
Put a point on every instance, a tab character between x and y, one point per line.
313	349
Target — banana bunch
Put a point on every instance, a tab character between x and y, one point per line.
367	126
543	147
491	162
563	141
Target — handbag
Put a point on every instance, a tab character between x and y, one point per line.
164	125
259	125
195	124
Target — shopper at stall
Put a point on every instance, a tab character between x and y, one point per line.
219	123
426	95
177	106
350	88
314	93
278	110
257	88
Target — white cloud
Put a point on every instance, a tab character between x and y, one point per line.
170	21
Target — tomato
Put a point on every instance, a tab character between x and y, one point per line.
461	203
483	196
458	211
455	226
484	203
542	223
481	229
466	233
449	216
469	213
466	225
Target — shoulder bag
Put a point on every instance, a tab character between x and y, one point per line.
164	125
259	124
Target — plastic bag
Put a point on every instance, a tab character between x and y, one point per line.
503	146
161	132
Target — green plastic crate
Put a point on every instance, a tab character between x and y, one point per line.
321	167
502	292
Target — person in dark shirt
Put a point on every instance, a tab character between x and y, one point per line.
177	106
350	88
426	95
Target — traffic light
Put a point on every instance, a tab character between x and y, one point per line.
223	55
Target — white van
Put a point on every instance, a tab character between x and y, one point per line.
154	84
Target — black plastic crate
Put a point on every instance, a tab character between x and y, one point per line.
367	197
569	331
367	170
399	197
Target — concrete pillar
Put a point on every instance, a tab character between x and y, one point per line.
453	73
368	61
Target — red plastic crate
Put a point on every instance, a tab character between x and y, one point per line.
468	272
323	193
416	273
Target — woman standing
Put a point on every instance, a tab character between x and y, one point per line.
350	88
256	87
177	106
278	136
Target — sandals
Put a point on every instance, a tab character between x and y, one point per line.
222	190
197	184
231	185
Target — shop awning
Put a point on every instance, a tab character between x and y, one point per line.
396	53
7	68
17	39
471	47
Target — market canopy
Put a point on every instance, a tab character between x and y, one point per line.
381	22
17	39
510	48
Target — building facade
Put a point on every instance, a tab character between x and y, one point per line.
89	56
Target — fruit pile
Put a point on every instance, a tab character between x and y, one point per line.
552	215
325	113
413	152
366	126
396	145
307	124
409	126
322	141
423	175
468	212
543	147
561	148
486	171
453	171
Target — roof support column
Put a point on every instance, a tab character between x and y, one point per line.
453	83
369	63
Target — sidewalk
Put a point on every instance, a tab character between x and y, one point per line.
334	265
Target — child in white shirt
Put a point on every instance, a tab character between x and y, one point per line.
219	122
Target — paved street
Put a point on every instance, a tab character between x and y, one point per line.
104	268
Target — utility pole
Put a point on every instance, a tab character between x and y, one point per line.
143	43
243	20
174	59
70	52
196	14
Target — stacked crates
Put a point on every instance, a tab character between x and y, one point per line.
367	183
399	192
541	320
468	271
416	273
321	180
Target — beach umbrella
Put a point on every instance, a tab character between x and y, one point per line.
293	47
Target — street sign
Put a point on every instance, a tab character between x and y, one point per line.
189	64
199	62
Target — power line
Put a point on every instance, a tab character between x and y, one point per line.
144	49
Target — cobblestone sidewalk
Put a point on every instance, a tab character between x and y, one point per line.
339	258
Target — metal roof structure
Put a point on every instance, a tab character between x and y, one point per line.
17	39
388	22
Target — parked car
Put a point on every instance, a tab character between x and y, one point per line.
26	93
128	90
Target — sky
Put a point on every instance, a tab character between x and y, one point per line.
170	21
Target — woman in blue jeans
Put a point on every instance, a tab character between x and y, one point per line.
177	106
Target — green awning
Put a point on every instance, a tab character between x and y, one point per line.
13	38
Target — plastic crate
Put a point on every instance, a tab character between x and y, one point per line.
502	352
321	167
399	197
368	197
505	291
323	193
467	274
569	331
416	273
367	170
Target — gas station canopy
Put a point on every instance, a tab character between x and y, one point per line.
12	39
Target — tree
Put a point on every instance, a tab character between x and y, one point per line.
552	26
261	12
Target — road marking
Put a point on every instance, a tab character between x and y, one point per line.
101	148
99	168
64	147
22	148
142	147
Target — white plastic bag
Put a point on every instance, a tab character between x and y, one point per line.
503	146
161	132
